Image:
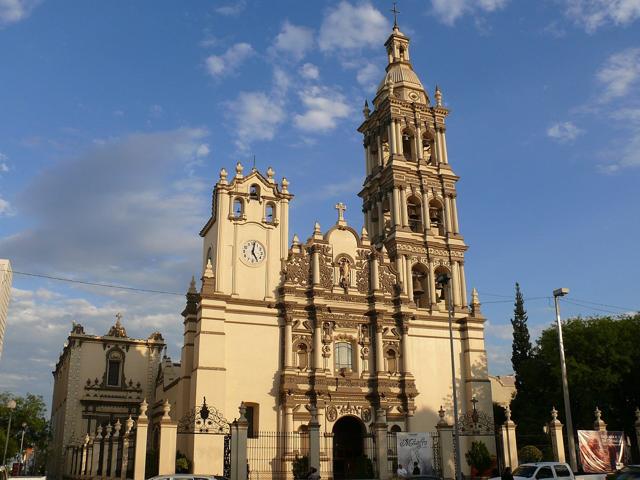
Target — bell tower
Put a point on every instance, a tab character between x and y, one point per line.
409	194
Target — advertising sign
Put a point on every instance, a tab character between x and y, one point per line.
415	451
600	452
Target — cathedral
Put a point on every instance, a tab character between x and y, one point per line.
346	322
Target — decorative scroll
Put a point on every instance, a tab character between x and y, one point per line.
204	420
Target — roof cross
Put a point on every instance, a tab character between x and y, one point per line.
395	15
341	207
118	317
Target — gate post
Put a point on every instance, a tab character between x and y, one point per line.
637	425
447	449
314	439
382	447
125	448
509	444
168	439
97	447
239	464
115	446
557	442
140	459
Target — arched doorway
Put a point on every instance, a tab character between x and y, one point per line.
349	460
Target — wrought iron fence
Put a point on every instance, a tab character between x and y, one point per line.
271	455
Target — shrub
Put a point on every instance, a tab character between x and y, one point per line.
479	457
300	467
529	454
182	463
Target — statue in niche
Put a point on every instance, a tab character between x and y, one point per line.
345	272
385	152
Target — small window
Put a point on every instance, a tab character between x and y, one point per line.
238	208
113	373
396	428
252	418
254	192
344	356
392	361
544	472
562	471
270	213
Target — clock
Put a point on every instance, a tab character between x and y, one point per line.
253	252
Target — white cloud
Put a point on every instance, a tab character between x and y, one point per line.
448	11
350	27
4	166
5	208
232	9
281	82
619	73
203	151
628	156
294	40
255	116
12	11
564	131
369	76
229	61
593	14
309	71
156	111
324	108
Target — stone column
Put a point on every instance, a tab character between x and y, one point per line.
426	222
463	285
317	343
557	442
314	439
406	359
404	214
432	284
375	276
125	448
315	272
106	449
509	445
85	453
438	148
419	145
392	137
447	214
379	158
447	448
288	342
141	443
380	215
395	207
400	266
456	284
382	447
399	148
379	357
454	212
367	161
409	277
95	460
239	446
168	438
115	444
445	156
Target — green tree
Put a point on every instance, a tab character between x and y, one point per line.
30	410
521	346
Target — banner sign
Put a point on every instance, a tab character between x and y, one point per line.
600	452
415	451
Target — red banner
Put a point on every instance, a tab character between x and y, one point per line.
600	452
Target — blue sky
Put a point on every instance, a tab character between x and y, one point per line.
117	116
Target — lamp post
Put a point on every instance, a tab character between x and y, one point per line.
11	405
561	292
445	280
24	427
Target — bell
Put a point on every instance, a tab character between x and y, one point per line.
418	291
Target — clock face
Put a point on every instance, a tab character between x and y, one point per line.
253	252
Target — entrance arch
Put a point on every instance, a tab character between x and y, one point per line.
349	459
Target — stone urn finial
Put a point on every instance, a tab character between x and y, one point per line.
270	174
554	414
223	176
166	408
239	170
507	413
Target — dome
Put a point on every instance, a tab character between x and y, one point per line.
401	74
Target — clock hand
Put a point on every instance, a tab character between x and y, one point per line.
253	251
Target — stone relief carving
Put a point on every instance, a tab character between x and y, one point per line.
297	269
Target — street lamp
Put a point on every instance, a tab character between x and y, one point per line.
24	428
444	279
11	405
561	292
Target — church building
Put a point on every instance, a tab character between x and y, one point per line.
347	322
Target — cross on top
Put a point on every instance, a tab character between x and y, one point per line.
118	317
341	207
395	14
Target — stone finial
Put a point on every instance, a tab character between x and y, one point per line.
599	424
296	240
316	229
109	429
87	439
99	433
143	409
364	235
341	207
554	414
239	170
223	176
507	414
270	174
475	303
389	84
285	185
166	408
192	285
128	425
438	96
117	330
208	271
365	111
243	410
116	428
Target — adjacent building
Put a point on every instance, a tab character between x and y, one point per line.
99	380
6	277
503	389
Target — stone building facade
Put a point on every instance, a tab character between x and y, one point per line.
99	380
348	322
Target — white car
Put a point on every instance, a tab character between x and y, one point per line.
542	471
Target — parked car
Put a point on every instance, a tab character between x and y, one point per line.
630	472
541	471
188	476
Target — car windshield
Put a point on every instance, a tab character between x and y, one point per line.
526	471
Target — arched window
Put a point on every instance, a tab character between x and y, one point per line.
420	277
238	208
270	212
427	150
414	210
114	368
302	354
392	361
401	53
386	211
254	192
344	356
396	428
442	288
408	146
436	217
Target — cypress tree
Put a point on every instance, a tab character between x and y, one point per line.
521	347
